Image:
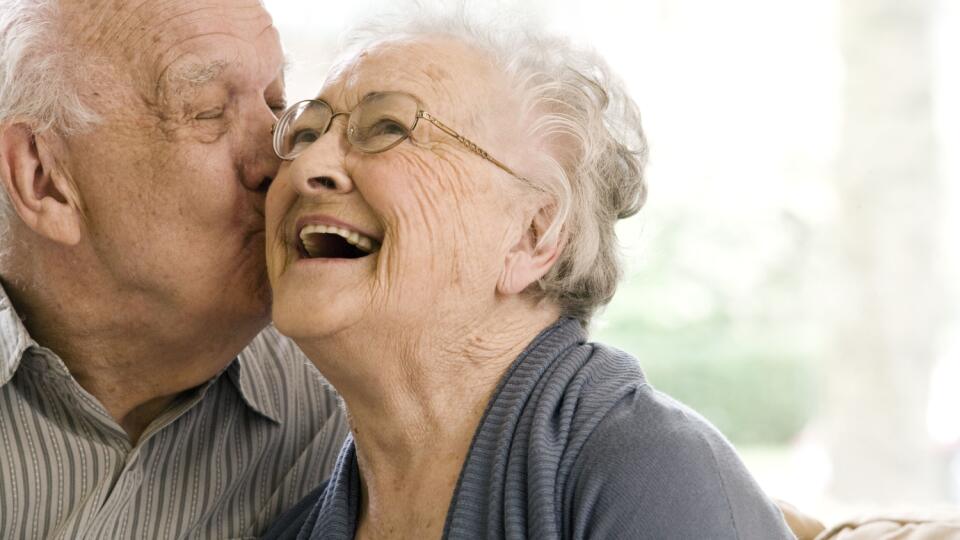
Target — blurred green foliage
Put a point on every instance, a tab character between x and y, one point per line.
720	331
753	396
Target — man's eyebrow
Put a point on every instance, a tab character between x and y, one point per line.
197	73
189	74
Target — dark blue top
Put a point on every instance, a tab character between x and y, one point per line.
576	444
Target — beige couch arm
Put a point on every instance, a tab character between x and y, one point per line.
895	528
802	525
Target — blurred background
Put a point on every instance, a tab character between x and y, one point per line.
792	276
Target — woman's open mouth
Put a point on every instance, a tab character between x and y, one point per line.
332	242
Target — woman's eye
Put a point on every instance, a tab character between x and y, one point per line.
211	114
387	126
304	136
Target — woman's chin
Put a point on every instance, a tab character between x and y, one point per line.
302	318
301	328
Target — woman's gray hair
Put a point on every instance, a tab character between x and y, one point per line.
36	85
580	113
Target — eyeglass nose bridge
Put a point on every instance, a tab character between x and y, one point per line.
350	129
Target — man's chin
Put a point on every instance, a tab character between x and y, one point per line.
259	296
261	302
249	306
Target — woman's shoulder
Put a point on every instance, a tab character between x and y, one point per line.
289	524
656	431
615	400
649	462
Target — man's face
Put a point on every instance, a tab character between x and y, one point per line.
173	180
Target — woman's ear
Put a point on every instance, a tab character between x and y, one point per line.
534	253
38	188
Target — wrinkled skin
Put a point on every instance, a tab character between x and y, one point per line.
416	335
173	181
141	243
445	216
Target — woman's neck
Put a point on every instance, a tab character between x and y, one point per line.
414	407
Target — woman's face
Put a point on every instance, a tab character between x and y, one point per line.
437	219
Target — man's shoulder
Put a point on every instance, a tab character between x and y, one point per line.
271	343
274	372
275	376
274	354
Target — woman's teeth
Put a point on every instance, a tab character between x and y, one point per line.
361	242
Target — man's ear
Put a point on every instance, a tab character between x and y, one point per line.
39	190
532	256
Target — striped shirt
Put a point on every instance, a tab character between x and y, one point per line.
222	462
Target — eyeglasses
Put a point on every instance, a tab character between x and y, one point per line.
381	121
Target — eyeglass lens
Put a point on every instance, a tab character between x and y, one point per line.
380	122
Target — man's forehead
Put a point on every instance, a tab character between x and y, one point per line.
152	35
200	71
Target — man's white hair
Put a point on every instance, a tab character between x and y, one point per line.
38	85
595	151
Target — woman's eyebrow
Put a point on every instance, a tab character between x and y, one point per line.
411	94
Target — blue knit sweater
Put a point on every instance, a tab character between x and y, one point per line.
575	444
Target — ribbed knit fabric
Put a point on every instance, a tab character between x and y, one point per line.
576	444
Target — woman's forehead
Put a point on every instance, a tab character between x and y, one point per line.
438	70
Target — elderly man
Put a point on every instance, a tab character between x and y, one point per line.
137	399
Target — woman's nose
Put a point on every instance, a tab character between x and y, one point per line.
332	182
320	170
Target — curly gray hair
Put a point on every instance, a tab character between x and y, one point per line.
35	82
597	151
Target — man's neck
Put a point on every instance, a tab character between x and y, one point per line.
135	362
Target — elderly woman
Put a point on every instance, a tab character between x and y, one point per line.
438	238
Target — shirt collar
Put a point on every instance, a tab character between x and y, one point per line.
248	376
14	339
245	372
